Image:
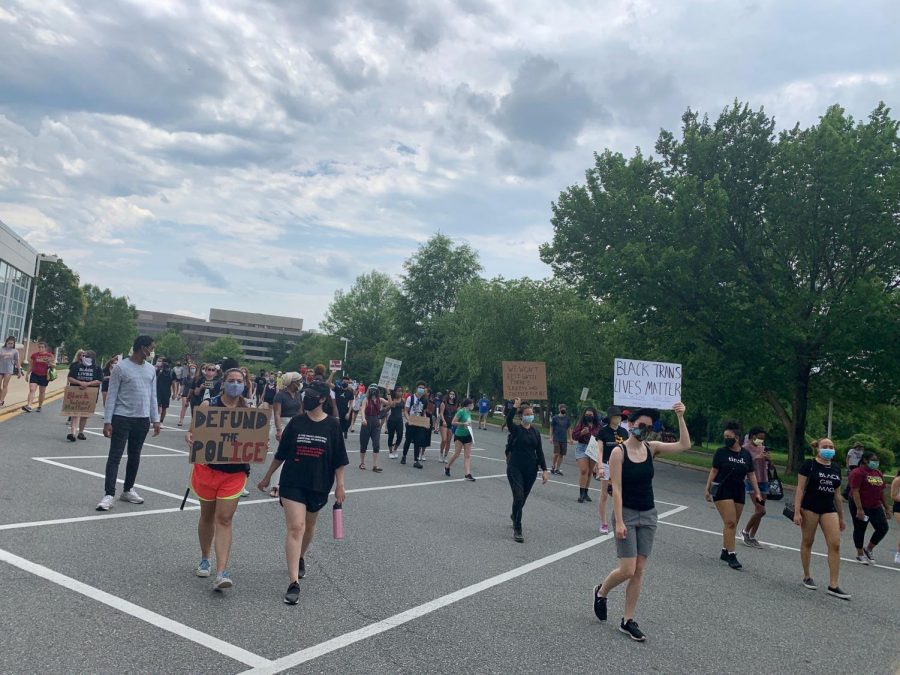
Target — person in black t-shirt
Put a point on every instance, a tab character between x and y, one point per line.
313	456
732	464
818	504
165	376
83	373
343	398
609	437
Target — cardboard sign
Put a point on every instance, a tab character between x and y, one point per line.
647	384
389	373
525	379
593	449
78	401
420	421
334	364
229	436
584	393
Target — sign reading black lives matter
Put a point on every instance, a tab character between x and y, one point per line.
646	384
230	436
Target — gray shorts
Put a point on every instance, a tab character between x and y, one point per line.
640	529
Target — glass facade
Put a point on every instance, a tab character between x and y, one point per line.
14	289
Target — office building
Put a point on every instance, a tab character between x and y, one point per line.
17	265
256	332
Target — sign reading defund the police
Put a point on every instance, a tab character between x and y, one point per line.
230	436
648	384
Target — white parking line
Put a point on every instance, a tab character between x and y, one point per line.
168	454
146	445
138	612
347	639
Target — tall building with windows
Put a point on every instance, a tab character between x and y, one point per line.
17	263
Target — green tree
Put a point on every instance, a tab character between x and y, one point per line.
108	326
760	251
280	349
171	345
223	347
59	305
311	348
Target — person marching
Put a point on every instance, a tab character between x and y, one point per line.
395	423
756	446
39	375
203	385
447	411
9	366
634	509
559	431
610	436
343	398
219	487
484	409
868	504
524	454
286	404
313	453
370	427
819	504
462	435
107	374
895	495
418	437
588	426
188	375
165	377
84	373
725	487
358	401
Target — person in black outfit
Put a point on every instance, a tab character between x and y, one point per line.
343	398
524	455
395	423
631	474
417	406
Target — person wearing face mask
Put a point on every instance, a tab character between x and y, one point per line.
868	504
107	374
9	366
370	427
820	506
756	446
164	378
725	487
588	426
559	431
218	487
461	424
85	374
419	437
610	436
524	455
447	410
189	373
204	384
131	409
313	453
286	404
395	423
343	399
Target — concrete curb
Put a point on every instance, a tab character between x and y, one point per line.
14	411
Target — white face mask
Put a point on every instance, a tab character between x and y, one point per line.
758	442
87	360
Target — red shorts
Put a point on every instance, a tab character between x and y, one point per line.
210	485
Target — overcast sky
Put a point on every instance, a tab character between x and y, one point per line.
259	155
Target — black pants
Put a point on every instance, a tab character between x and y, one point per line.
345	423
878	520
130	431
521	479
394	432
417	437
370	430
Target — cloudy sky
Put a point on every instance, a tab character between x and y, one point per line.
258	155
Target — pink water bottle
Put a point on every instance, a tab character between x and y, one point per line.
337	520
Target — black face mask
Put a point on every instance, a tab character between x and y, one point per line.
730	441
588	418
311	402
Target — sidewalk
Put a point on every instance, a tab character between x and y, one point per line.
18	394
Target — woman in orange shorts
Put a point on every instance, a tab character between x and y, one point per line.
218	487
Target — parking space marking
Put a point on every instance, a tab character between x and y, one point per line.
347	639
138	612
168	454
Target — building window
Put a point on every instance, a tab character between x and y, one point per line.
14	288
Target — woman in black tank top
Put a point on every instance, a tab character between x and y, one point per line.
449	406
631	475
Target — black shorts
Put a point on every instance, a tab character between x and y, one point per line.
314	500
163	401
731	490
821	510
39	380
463	439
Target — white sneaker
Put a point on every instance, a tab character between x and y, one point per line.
106	503
863	560
245	492
897	558
132	497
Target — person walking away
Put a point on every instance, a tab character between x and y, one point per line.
609	437
634	509
343	398
107	374
756	446
559	430
87	375
395	423
461	426
868	504
484	409
731	466
418	437
588	426
9	366
447	411
260	386
131	409
165	377
219	487
38	376
854	456
818	504
313	453
370	427
524	455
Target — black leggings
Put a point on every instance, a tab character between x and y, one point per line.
521	480
878	520
394	429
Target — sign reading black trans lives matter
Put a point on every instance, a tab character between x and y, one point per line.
646	384
230	436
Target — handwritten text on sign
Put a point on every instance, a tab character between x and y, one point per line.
651	384
230	436
525	380
389	373
79	401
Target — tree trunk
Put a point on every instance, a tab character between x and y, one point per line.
801	405
786	421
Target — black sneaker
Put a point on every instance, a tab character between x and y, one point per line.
71	438
630	628
587	497
447	472
723	555
810	584
302	568
559	473
517	535
82	437
733	562
292	595
838	593
581	499
418	465
599	604
403	460
469	477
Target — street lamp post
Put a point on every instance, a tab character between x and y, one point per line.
37	270
346	342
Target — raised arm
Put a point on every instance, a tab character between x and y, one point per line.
684	437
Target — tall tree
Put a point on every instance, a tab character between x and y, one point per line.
172	345
763	250
108	326
59	304
223	347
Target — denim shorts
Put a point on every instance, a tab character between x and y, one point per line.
580	451
763	487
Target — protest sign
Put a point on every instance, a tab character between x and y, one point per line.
389	373
229	436
419	421
79	401
525	379
648	384
334	365
584	393
593	449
